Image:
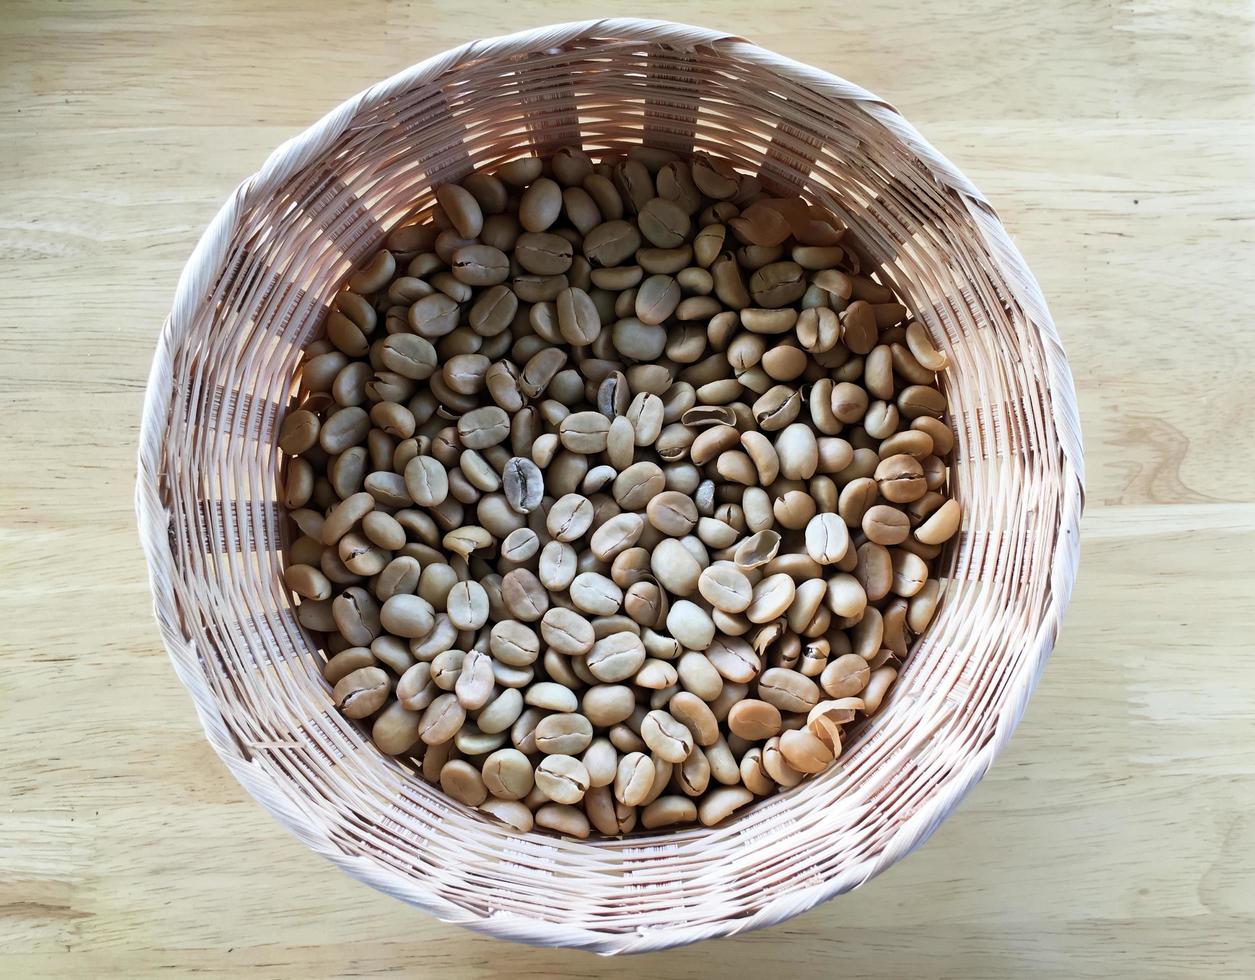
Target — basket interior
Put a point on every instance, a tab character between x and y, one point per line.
232	379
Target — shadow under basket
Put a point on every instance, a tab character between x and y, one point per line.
255	291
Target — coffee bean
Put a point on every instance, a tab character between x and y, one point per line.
570	517
616	535
564	734
664	223
877	687
669	740
616	657
941	526
725	587
362	692
719	804
551	697
524	596
508	774
611	243
513	643
691	625
441	720
584	432
566	631
886	525
754	720
520	545
797	451
827	538
788	690
633	779
638	484
804	751
523	484
467	605
757	550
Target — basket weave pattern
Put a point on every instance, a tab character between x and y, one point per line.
256	289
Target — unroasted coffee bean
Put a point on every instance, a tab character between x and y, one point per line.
877	687
480	265
672	513
551	697
427	481
508	774
667	811
543	254
616	657
540	205
520	545
732	657
362	692
467	605
578	319
564	734
395	730
570	517
901	479
567	632
909	573
514	643
656	299
777	285
886	525
719	804
827	538
524	596
307	581
563	778
523	484
483	427
675	567
699	676
691	625
472	742
771	597
633	779
798	452
616	535
804	751
606	705
441	720
666	737
664	223
941	526
640	467
656	675
788	690
754	720
584	432
725	587
612	243
637	485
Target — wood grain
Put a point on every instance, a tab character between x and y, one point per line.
1114	838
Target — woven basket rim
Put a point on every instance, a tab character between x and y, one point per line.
206	264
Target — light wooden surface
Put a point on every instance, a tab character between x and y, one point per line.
1116	837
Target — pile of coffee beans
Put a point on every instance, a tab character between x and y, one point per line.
616	488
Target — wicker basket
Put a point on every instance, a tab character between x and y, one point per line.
256	288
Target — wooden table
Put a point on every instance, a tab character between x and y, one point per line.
1116	836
